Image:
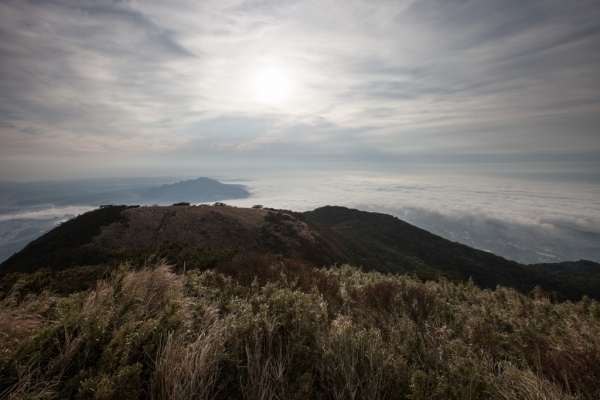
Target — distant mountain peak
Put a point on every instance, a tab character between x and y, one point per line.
198	190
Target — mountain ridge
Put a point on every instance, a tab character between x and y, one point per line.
199	235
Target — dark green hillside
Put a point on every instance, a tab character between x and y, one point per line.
571	267
62	247
573	277
383	242
199	237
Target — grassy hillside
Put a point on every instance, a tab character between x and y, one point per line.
64	246
184	233
262	327
199	237
383	242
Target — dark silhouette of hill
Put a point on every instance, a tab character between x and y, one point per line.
194	191
384	242
201	236
64	246
571	267
16	196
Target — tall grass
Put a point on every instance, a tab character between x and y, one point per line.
258	327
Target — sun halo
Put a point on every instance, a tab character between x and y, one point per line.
271	85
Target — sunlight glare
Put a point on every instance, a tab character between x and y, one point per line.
271	85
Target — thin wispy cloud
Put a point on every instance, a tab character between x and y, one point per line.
178	79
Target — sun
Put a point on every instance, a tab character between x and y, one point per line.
271	85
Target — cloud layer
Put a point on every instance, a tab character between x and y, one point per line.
571	205
524	220
150	79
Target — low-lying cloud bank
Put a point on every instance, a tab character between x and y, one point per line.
521	220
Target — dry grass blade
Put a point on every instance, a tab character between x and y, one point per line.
188	370
153	285
267	363
30	385
515	384
353	364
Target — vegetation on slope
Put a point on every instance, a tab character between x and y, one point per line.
194	235
260	327
385	243
199	237
64	246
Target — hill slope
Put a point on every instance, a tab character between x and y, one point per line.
200	236
381	241
121	232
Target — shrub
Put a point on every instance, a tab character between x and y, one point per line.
264	327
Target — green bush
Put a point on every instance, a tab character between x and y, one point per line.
263	327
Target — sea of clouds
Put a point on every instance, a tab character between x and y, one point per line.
47	213
528	221
545	204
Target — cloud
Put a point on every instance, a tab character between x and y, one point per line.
528	219
524	202
149	79
514	218
48	213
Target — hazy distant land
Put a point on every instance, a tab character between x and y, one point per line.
28	210
525	222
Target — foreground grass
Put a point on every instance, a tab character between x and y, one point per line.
259	328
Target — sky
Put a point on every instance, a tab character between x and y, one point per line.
146	88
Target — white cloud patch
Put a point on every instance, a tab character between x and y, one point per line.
522	202
47	213
514	218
